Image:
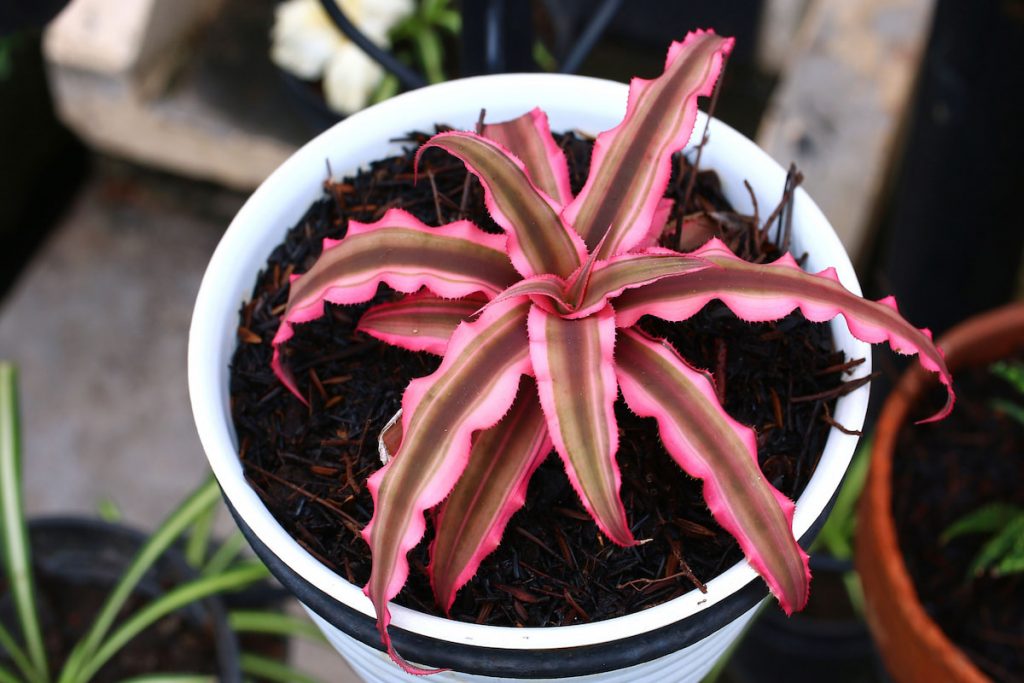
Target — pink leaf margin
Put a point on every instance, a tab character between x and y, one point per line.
529	138
468	353
739	443
555	359
756	299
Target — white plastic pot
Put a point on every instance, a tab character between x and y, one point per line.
676	641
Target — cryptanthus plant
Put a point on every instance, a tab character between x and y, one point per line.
537	330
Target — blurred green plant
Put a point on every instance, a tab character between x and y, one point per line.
219	572
8	45
836	537
1003	523
1013	373
425	29
419	41
1003	552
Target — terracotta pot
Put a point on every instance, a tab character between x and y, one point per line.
913	646
678	640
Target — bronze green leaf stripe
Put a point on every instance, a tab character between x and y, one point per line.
490	490
572	360
472	389
625	182
532	223
710	445
749	280
362	258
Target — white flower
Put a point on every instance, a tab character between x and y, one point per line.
306	42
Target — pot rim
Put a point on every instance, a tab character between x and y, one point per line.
593	105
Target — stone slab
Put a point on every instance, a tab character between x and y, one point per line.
192	92
839	109
97	325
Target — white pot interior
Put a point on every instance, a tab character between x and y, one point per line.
572	102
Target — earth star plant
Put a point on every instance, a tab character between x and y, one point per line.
537	330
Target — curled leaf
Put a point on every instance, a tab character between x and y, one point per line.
529	138
632	162
539	242
760	293
455	260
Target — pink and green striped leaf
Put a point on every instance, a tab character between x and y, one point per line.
632	162
452	261
575	371
472	390
491	489
420	321
759	293
708	444
538	239
529	138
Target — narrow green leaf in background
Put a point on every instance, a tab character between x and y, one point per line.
171	678
8	644
195	505
233	579
17	560
985	519
274	623
199	538
272	670
225	554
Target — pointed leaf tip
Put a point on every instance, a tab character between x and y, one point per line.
632	162
454	260
413	669
573	363
285	375
529	138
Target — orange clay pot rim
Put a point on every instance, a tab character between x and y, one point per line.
999	331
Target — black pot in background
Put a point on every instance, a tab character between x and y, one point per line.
825	642
89	552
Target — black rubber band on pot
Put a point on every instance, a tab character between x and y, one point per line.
489	661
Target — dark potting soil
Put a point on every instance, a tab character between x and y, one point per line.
941	472
310	465
178	643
